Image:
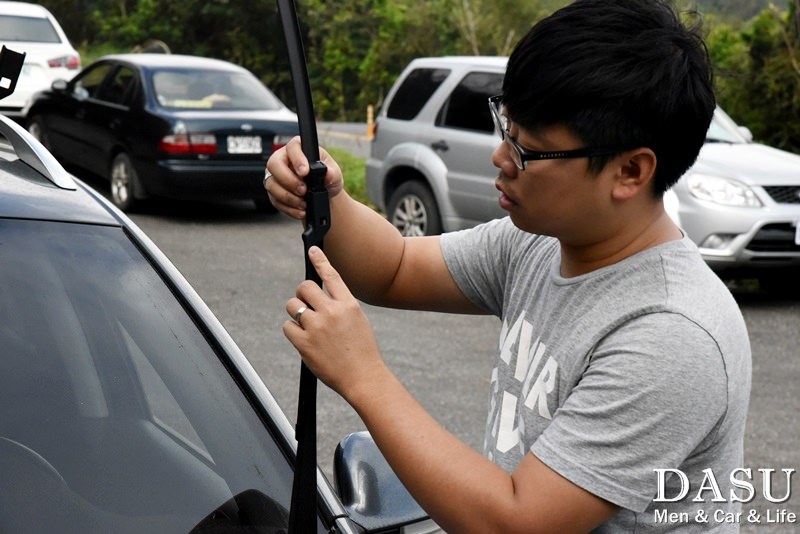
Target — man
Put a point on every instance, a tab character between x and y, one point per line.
622	356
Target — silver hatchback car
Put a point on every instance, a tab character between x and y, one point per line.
430	169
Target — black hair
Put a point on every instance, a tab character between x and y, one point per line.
616	72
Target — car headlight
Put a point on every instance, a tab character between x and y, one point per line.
724	191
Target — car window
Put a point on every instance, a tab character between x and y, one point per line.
207	89
115	410
467	108
414	92
118	88
88	83
27	29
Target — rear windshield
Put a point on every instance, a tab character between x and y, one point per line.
207	89
27	29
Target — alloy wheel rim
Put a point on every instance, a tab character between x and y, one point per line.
119	183
410	216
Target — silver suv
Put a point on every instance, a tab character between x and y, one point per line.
430	169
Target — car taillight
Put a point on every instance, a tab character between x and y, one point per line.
182	143
70	61
280	140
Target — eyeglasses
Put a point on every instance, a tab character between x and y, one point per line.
520	156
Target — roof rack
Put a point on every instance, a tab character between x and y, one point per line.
32	152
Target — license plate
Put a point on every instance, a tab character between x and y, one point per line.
244	144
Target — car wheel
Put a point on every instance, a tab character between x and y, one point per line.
36	129
124	181
413	210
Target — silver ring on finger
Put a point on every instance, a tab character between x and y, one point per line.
299	314
267	176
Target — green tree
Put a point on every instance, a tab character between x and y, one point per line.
758	80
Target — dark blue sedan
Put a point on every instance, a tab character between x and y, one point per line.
165	125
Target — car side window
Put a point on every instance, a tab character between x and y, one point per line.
88	85
466	108
118	89
414	92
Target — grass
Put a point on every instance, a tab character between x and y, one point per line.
354	172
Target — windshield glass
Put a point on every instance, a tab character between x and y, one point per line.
27	29
116	414
207	89
723	129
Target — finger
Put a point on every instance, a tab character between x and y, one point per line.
295	334
281	196
297	159
311	295
333	176
330	277
282	165
294	306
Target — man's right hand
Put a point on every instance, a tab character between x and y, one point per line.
285	186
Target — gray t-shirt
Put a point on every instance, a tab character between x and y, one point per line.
607	377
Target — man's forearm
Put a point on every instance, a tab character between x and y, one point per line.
364	247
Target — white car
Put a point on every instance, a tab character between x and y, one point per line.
49	56
740	202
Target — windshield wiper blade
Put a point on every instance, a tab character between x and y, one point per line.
302	513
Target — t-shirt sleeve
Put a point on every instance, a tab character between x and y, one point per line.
644	402
478	261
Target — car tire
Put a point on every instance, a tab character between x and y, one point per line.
412	209
36	128
124	182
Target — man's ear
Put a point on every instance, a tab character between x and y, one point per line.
635	173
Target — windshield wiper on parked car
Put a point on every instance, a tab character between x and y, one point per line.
302	513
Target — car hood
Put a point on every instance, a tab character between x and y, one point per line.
750	163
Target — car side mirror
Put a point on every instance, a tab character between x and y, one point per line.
59	85
370	491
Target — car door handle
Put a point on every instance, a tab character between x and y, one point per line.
440	146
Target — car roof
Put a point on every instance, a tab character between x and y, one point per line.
172	61
26	194
23	9
465	61
34	185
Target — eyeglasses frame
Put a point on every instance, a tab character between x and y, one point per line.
524	156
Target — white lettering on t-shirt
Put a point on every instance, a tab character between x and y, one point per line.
519	351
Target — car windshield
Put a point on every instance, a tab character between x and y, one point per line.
27	29
116	413
723	129
206	89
